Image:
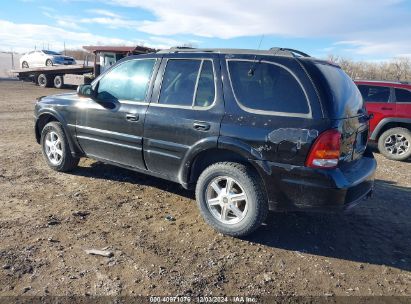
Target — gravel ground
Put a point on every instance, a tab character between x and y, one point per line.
49	219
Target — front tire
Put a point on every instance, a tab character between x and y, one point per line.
49	63
25	65
395	144
231	199
56	149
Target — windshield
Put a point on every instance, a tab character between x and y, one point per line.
50	52
347	100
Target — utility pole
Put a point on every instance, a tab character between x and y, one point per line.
12	59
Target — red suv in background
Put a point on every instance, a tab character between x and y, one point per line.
390	102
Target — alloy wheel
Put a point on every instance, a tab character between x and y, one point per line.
397	144
226	200
53	148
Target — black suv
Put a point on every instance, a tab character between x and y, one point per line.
250	130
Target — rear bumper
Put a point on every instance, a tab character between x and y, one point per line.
307	189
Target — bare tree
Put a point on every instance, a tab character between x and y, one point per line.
396	69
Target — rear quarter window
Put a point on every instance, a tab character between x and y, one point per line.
402	95
267	88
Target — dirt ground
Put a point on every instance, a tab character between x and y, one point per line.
49	219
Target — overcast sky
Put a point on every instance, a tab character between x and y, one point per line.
356	29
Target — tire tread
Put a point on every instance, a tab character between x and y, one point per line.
69	162
261	205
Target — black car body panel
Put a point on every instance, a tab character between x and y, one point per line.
301	188
167	150
165	140
258	132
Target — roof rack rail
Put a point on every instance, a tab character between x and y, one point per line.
176	49
292	52
275	51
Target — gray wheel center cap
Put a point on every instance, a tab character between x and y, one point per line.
225	200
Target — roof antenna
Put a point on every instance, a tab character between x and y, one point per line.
252	69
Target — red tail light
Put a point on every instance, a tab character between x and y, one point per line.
325	151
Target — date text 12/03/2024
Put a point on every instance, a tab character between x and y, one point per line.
201	299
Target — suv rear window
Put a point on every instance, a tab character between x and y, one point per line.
264	86
346	98
374	93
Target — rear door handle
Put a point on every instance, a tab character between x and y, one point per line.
385	108
201	126
132	117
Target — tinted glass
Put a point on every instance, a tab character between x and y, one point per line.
375	93
267	87
206	89
128	81
403	95
346	98
179	82
50	52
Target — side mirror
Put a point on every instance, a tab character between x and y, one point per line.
85	90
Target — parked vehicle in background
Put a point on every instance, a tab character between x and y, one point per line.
248	130
390	103
42	58
61	75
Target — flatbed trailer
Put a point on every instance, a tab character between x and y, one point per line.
61	75
56	76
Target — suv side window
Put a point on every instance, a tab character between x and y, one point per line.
265	86
374	93
127	81
402	95
206	86
188	83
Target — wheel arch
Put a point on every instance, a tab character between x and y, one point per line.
42	121
48	116
227	150
389	123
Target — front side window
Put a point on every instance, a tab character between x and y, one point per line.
127	81
374	93
188	83
403	95
267	87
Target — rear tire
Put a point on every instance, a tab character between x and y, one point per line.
49	62
25	65
56	149
238	211
58	82
395	144
43	80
